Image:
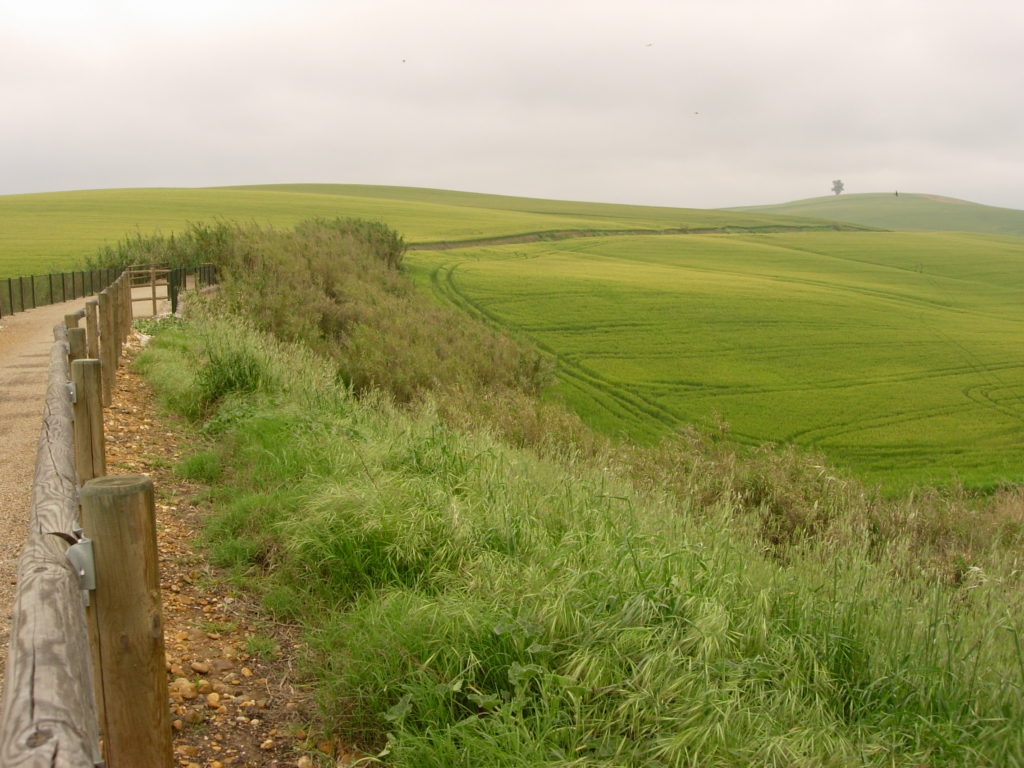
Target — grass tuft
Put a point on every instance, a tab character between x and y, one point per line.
203	466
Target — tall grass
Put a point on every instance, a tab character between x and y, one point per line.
483	582
471	603
338	288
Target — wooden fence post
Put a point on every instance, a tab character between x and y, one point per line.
129	311
90	444
92	328
117	319
76	344
107	346
119	515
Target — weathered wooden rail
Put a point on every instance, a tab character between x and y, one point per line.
49	715
85	681
150	284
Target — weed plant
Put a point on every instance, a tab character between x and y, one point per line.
482	591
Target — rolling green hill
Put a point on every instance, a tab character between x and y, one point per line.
896	353
52	231
908	212
638	215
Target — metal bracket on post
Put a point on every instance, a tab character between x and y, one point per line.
80	555
72	392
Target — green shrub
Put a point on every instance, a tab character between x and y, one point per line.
338	288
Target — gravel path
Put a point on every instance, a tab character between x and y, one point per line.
228	706
25	342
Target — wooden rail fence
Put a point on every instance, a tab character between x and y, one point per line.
85	682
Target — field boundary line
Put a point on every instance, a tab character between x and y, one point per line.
571	234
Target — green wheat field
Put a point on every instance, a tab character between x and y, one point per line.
52	231
898	354
895	354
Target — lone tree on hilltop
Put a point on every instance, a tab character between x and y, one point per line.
837	186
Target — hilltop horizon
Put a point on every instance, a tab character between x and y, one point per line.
902	211
362	188
89	218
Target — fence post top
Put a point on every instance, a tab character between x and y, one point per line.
116	485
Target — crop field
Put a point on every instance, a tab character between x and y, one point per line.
55	231
898	355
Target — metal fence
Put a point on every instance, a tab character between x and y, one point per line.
18	294
30	291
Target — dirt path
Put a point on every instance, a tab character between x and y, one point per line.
25	342
230	705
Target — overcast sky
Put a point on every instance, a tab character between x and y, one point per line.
699	103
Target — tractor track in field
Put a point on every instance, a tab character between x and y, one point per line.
571	234
993	391
624	403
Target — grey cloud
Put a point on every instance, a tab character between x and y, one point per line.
700	103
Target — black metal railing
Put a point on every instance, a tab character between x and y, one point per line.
18	294
177	280
30	291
